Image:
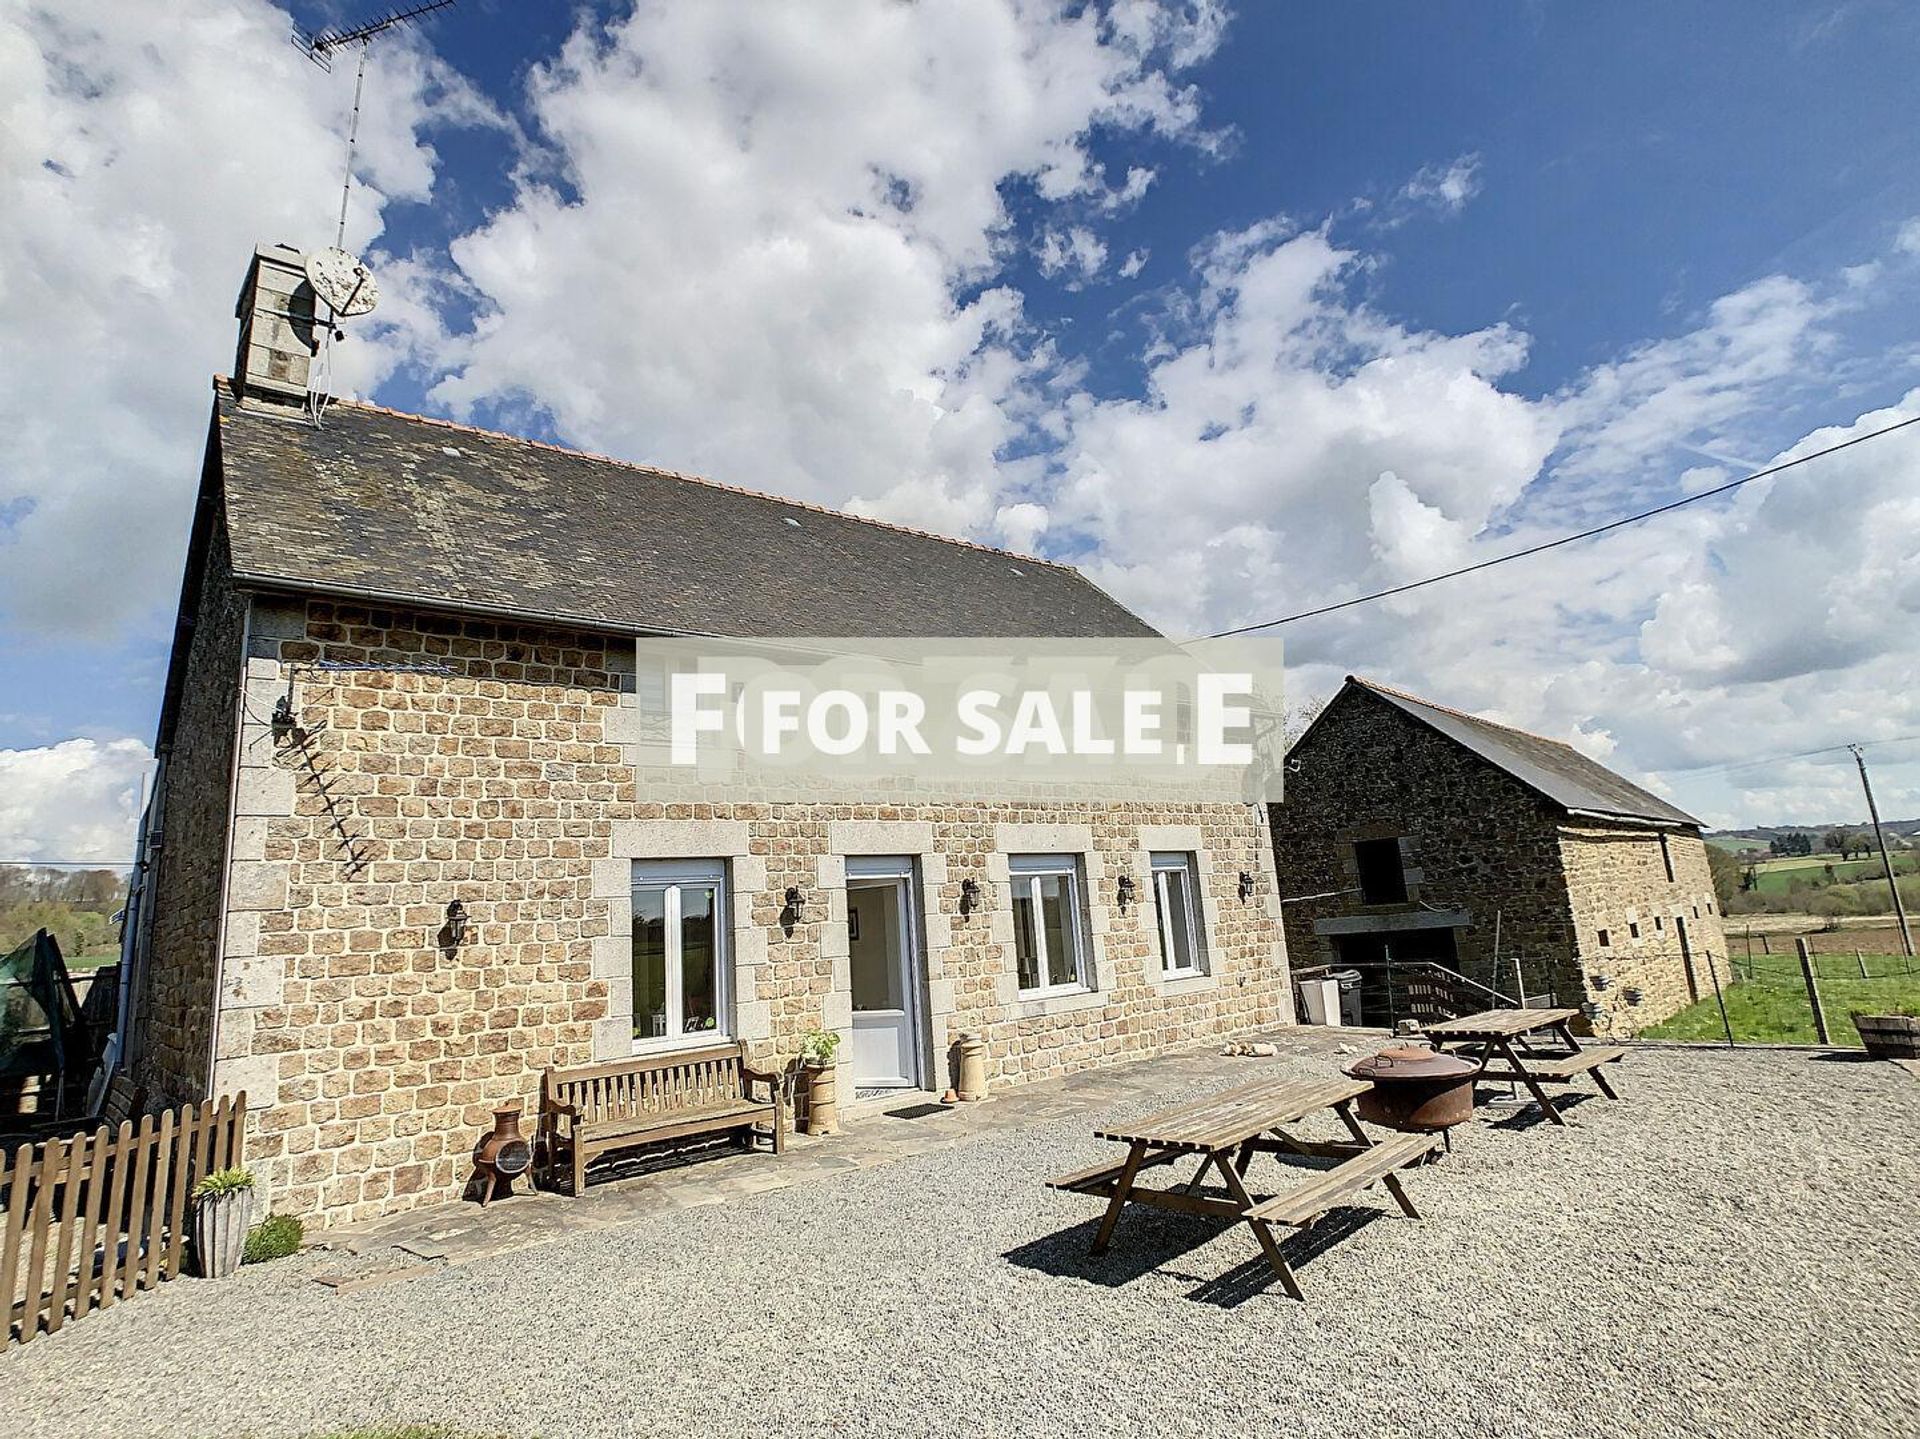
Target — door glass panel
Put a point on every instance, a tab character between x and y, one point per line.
649	963
1026	938
875	947
1056	918
699	990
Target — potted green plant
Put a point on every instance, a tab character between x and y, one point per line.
818	1048
1894	1034
222	1216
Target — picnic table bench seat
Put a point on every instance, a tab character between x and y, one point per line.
1563	1067
594	1109
1302	1206
1092	1178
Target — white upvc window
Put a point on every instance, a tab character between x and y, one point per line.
1049	940
1176	903
680	990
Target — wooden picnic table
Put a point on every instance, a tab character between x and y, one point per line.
1226	1131
1507	1035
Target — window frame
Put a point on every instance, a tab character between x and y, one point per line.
669	878
1165	867
1029	870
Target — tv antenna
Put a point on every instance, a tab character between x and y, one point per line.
320	46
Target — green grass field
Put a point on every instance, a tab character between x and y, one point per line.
1772	1007
1776	876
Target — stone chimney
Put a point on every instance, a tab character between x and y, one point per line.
277	341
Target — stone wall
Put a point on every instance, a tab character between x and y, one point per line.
1643	938
374	1050
1476	844
175	1006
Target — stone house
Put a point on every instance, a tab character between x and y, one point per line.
403	691
1414	833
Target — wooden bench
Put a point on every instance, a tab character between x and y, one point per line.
1562	1068
595	1109
1376	1165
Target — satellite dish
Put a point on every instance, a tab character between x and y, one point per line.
343	282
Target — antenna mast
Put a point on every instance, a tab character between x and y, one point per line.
319	46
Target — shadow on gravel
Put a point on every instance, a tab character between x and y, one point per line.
1148	1241
1843	1056
1254	1277
1144	1242
1529	1114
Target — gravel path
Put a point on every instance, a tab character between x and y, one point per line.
1735	1250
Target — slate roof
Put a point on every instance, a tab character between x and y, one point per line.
404	509
1552	768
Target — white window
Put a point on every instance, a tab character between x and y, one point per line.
679	952
1176	903
1049	946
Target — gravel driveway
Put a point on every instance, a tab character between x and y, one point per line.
1733	1250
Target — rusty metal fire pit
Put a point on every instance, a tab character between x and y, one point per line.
502	1154
1416	1089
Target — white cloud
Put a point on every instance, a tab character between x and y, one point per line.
1446	188
76	800
148	148
1249	479
1907	239
1020	526
1135	262
752	277
1077	251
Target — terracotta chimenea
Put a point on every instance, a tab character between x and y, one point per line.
501	1154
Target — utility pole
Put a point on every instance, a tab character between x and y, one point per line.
1886	860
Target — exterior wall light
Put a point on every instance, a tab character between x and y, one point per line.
1246	885
1125	892
454	932
970	897
794	900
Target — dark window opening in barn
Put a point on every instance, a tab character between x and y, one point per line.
1633	929
1383	880
1666	857
1660	922
1606	940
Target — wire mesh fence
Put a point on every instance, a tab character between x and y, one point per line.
1769	993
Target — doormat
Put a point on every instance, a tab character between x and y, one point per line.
916	1111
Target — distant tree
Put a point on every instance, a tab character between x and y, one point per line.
1835	841
1855	842
1728	879
1791	844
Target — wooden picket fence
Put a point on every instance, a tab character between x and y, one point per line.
91	1220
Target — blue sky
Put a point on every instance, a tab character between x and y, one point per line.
1389	287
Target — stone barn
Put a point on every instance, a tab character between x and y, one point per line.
1416	840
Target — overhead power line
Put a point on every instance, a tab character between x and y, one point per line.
1740	764
1568	539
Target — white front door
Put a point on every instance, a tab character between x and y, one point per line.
883	956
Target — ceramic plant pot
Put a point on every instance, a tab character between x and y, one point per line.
823	1105
220	1226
